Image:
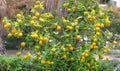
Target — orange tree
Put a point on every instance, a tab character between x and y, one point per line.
76	42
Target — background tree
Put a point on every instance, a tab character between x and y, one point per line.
3	6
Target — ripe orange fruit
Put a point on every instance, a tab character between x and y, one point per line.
66	5
20	34
69	10
82	60
29	55
25	57
83	54
74	9
95	47
65	21
7	26
108	49
78	37
35	36
83	57
38	54
40	42
34	18
9	35
19	21
115	42
69	45
98	25
78	27
18	16
76	20
97	33
37	26
37	14
86	51
70	28
89	17
102	25
86	54
64	57
18	54
107	58
52	63
108	23
53	49
45	40
95	40
94	43
71	48
85	13
48	62
58	28
50	16
104	50
32	22
23	44
43	61
13	31
93	12
72	59
92	47
97	29
41	39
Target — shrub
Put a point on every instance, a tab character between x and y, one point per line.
109	65
68	44
114	17
19	64
16	64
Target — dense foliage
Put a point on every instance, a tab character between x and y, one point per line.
77	42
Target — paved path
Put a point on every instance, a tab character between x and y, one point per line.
13	52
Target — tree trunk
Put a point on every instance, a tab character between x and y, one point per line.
3	6
51	5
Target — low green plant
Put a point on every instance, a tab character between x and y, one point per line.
19	64
109	65
14	64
